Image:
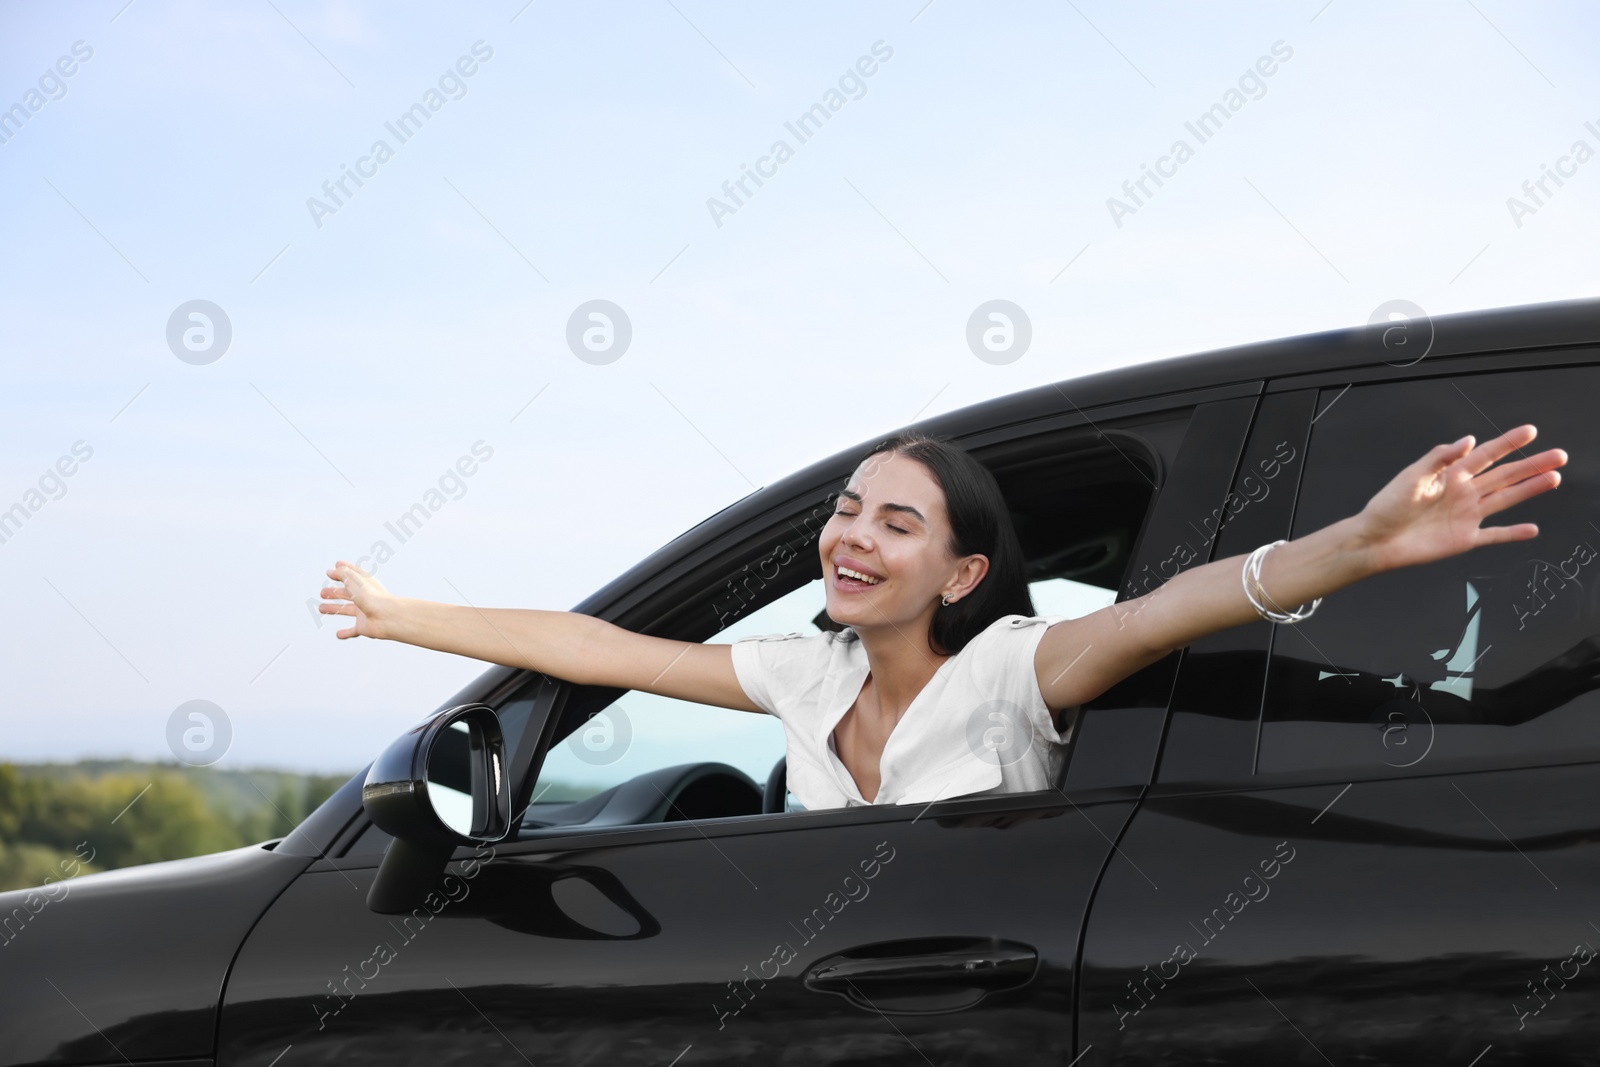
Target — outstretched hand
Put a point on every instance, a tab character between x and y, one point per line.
361	595
1434	507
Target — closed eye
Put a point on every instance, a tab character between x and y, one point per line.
893	527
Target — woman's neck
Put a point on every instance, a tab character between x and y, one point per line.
900	664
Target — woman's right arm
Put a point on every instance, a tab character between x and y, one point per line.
567	645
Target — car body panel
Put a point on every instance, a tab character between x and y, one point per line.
131	962
631	953
1391	907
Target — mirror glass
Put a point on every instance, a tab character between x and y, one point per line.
450	777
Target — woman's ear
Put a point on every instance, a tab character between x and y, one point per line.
970	573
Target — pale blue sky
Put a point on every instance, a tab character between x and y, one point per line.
371	352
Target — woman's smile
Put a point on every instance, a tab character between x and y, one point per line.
850	576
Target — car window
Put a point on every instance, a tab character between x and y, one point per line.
1078	502
642	732
1489	655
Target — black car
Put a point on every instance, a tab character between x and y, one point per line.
1365	838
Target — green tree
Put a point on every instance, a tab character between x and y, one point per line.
103	814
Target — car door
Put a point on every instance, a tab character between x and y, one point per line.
947	932
1375	832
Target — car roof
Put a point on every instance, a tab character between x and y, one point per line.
1521	327
1310	357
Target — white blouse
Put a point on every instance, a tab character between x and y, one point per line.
980	725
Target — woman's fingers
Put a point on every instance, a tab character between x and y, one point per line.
336	593
1516	494
1511	473
1492	451
1444	455
1495	535
340	599
343	570
351	575
356	593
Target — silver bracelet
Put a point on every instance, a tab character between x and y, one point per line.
1252	573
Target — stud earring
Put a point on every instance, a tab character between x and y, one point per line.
945	600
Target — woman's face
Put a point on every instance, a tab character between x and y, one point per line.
890	525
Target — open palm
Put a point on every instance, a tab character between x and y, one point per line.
1434	507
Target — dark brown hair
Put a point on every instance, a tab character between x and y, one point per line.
980	523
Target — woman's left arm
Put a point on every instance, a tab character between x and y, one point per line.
1430	510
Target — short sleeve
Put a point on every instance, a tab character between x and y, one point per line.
1010	673
778	671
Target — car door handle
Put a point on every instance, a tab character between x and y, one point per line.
924	975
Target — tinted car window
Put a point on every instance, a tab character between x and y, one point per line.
1488	655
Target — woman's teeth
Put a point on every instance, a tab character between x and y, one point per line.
858	576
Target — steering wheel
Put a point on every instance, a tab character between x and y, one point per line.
774	796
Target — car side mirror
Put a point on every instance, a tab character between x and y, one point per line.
441	785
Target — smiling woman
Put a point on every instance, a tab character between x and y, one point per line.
919	560
913	495
935	678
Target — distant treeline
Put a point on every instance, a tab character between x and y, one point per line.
54	816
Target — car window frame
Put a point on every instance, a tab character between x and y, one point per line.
568	691
627	602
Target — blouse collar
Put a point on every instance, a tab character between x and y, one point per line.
919	731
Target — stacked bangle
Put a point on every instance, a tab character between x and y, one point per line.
1252	574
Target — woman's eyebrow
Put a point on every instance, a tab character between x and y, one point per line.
906	509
